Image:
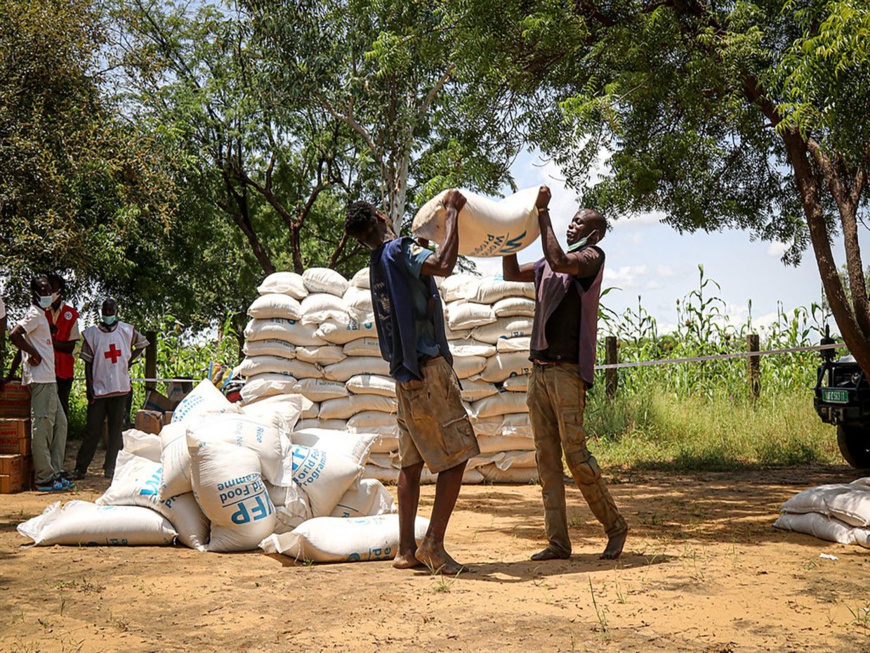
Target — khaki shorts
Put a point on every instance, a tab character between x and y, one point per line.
433	425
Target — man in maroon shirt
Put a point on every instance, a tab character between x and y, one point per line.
567	289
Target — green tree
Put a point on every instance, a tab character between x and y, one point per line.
737	113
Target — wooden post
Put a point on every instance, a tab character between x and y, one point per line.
753	367
151	359
610	375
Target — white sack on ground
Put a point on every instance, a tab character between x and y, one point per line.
175	460
139	443
466	315
363	347
366	498
291	506
486	227
318	390
269	348
503	327
848	502
298	369
500	443
203	399
353	365
260	386
275	305
319	307
824	528
372	384
333	539
137	483
503	403
514	307
292	331
494	289
286	283
347	407
229	488
324	476
323	355
342	332
80	523
503	366
324	280
355	446
283	410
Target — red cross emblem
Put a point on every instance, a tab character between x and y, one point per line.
114	353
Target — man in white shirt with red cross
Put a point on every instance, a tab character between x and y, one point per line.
108	350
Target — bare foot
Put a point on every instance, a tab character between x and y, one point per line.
439	561
406	561
549	554
614	546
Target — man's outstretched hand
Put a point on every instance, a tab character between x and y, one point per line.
544	196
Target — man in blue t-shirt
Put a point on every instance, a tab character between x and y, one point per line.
434	427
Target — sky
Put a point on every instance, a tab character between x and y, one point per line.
651	261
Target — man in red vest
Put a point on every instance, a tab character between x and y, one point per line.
567	289
63	320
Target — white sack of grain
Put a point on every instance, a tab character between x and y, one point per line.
139	443
81	523
333	539
366	498
318	390
372	384
229	488
203	399
462	348
320	307
458	287
486	227
341	332
508	345
503	366
467	315
339	442
472	390
331	424
503	327
848	502
292	331
282	410
323	355
324	280
514	307
517	383
498	443
354	365
373	421
504	403
824	528
359	301
361	279
271	347
275	305
324	476
261	386
492	290
363	347
296	368
347	407
286	283
137	483
468	366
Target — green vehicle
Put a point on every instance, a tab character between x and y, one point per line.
842	398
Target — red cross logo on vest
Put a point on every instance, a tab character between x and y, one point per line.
114	353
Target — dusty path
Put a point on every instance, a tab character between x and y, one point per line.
703	571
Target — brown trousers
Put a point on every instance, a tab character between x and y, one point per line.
557	400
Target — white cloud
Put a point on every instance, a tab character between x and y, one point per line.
625	277
666	271
776	249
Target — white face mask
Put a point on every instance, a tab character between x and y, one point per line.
580	243
45	301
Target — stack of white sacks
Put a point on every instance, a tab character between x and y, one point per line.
838	512
226	477
314	334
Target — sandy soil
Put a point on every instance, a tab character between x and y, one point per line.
703	571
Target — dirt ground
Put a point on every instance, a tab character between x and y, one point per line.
703	571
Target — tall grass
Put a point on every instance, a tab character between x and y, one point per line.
701	415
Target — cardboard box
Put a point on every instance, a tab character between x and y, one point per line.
15	401
178	390
15	473
15	437
157	402
149	421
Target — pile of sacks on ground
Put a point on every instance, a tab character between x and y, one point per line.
838	513
314	334
227	477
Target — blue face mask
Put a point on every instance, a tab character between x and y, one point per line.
45	301
580	243
109	320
